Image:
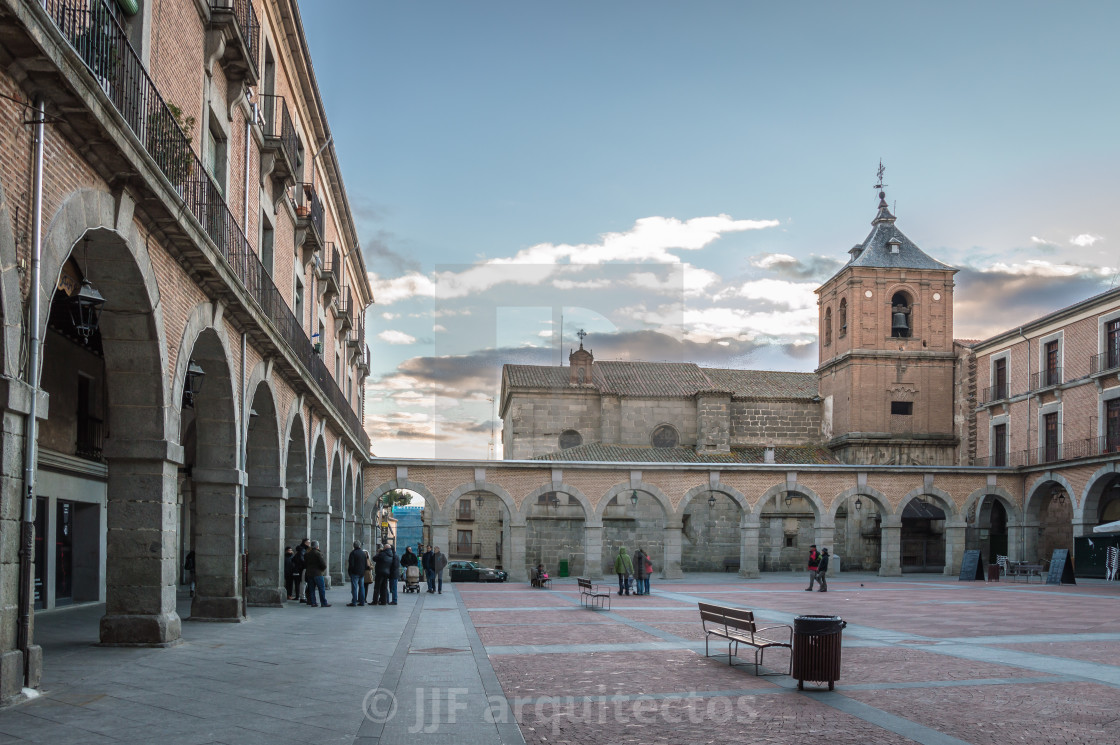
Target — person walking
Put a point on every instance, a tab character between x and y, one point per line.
394	574
291	576
822	570
382	565
439	561
188	567
356	568
316	566
427	566
814	562
624	568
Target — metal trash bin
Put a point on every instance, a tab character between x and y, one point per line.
816	649
563	568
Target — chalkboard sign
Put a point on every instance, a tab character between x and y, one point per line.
1061	568
970	567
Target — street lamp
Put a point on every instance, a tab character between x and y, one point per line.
1058	494
711	500
478	500
859	503
85	310
193	384
789	499
634	498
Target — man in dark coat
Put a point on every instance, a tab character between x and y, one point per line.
394	575
814	562
291	576
382	566
356	568
427	564
822	570
316	566
299	564
439	561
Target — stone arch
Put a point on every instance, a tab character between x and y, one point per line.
581	498
777	490
730	492
858	536
11	314
785	532
142	447
266	494
515	516
648	489
1014	513
297	509
636	526
1037	490
339	547
944	501
431	505
320	497
1049	522
1088	504
871	493
712	527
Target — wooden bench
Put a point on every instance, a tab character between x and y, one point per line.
1023	570
737	627
731	563
536	581
593	596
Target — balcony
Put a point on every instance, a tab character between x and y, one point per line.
364	362
344	311
1049	378
91	437
993	394
1092	447
328	270
233	39
91	28
280	156
309	219
356	340
1105	362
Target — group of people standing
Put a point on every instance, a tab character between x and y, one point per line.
305	570
640	567
818	568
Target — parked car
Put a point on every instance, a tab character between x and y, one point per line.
472	571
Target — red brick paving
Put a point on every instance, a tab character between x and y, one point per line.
1096	651
558	634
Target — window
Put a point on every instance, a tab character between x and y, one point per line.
791	541
1112	344
569	438
999	445
902	408
999	379
827	326
842	319
664	437
266	243
900	316
1112	425
216	156
465	509
338	365
1050	436
463	541
1053	373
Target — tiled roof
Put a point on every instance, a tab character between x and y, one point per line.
668	380
875	250
599	453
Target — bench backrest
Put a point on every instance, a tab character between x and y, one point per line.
734	618
584	584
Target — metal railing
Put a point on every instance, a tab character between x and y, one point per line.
344	311
994	393
310	207
91	439
1046	378
1092	447
94	31
276	124
1104	362
247	24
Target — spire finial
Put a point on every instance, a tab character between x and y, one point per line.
581	334
879	184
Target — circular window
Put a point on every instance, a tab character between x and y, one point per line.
664	437
569	438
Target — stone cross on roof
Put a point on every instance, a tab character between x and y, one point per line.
581	334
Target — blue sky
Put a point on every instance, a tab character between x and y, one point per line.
679	177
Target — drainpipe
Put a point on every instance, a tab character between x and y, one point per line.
248	126
1023	518
27	523
244	498
315	157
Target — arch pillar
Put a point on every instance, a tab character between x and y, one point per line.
748	550
593	551
321	531
217	544
825	534
1030	540
264	584
890	558
954	546
336	545
518	572
1015	541
141	535
297	520
671	544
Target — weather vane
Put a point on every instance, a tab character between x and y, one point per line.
879	174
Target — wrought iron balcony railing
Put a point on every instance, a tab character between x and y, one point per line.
310	207
280	133
1104	362
91	439
993	394
1046	378
247	24
92	28
1092	447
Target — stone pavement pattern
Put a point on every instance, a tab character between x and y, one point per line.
925	660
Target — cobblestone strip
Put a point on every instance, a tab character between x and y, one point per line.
370	731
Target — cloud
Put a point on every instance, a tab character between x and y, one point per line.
1042	241
815	267
1085	239
1043	268
390	316
390	336
780	292
389	291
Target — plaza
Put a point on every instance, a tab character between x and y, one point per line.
926	659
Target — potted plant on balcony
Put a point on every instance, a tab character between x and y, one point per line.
169	142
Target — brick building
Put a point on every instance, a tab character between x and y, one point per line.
174	169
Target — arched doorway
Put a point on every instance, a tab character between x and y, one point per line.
991	529
922	544
265	522
479	529
320	501
297	509
858	538
710	533
1102	505
787	528
554	532
634	519
339	548
1050	508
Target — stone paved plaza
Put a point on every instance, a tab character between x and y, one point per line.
925	659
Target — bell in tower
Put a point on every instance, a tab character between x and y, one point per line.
900	316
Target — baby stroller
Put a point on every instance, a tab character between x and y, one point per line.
412	579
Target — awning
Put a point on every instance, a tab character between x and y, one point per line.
1113	527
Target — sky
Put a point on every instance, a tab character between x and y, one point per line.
677	178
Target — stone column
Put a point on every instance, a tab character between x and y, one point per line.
297	520
593	551
1014	544
141	558
321	532
954	547
671	561
265	535
748	550
217	544
1030	542
518	572
337	550
890	561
